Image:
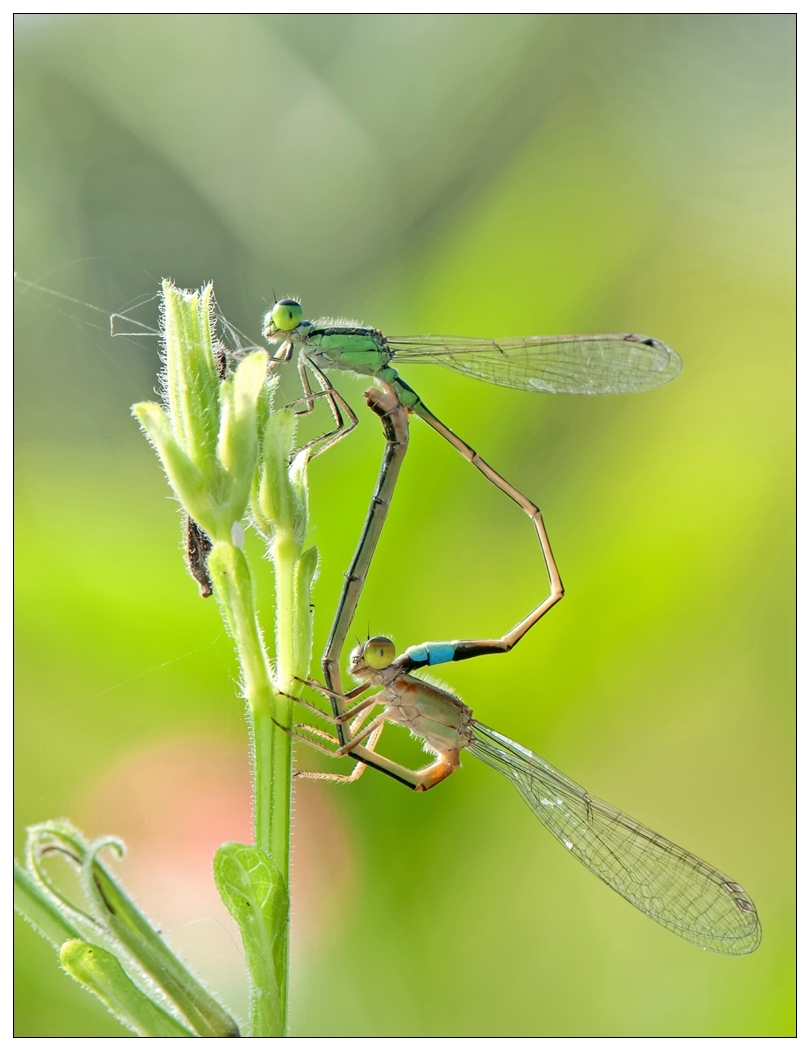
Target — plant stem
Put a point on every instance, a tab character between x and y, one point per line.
284	553
263	738
36	905
234	589
268	709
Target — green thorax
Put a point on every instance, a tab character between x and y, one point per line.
353	348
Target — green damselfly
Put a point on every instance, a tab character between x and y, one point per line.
568	364
670	885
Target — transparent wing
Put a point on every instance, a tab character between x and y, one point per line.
556	364
667	883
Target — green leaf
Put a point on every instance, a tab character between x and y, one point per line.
265	402
299	479
191	380
238	438
196	491
233	587
208	439
101	973
256	896
279	502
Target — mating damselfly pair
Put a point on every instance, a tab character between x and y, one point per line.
670	885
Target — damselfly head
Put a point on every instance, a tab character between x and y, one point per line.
374	655
285	316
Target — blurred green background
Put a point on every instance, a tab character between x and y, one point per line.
475	175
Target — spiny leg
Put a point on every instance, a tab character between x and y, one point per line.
416	780
308	398
309	401
357	733
352	694
357	715
343	749
341	778
281	356
319	733
335	401
345	716
354	725
327	390
357	738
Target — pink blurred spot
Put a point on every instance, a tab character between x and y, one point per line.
174	804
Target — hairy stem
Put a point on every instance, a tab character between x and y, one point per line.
272	768
269	710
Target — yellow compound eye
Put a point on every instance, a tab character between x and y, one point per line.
378	653
286	314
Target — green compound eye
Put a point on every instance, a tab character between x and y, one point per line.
378	653
286	314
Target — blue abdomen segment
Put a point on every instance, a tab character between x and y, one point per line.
431	653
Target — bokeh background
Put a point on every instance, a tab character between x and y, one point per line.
475	175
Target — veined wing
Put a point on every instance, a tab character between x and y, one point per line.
556	364
670	885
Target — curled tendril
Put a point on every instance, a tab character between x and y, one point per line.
89	882
61	838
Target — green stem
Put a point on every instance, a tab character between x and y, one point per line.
272	747
37	906
284	554
263	733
